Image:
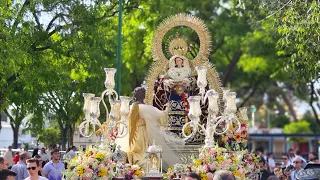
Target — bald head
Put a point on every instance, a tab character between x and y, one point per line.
223	175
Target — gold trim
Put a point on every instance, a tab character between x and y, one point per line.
182	20
160	64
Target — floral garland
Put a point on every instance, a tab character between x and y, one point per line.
236	141
94	163
242	164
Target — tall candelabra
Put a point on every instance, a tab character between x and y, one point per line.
115	119
226	118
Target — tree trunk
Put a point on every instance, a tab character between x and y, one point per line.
288	102
14	127
312	97
1	103
63	138
233	63
15	137
71	132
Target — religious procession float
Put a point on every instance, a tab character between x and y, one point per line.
181	120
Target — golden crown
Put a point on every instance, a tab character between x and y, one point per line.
178	46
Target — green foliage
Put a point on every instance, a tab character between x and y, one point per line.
279	121
296	26
297	127
46	66
49	136
314	126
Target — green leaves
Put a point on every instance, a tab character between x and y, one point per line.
297	25
297	127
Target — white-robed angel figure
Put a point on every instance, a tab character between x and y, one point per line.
143	129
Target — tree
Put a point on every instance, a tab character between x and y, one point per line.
297	127
245	56
280	121
76	40
314	126
295	25
49	136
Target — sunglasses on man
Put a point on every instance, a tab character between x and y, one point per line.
33	168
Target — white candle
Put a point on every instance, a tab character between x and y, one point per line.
195	109
125	105
243	113
202	76
213	107
110	72
94	108
87	100
231	102
115	110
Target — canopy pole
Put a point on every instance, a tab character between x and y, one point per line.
118	84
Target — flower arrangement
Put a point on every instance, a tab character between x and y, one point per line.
132	171
94	163
108	131
242	164
236	141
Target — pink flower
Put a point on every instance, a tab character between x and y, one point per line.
228	162
240	170
212	167
222	165
210	176
214	153
201	156
91	160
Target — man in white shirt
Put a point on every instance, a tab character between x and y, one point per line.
9	156
72	153
21	167
271	163
44	156
33	167
297	164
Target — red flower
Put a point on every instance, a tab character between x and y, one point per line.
244	132
243	125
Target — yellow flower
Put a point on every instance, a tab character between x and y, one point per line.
75	158
170	169
203	176
89	152
237	137
138	173
235	172
234	159
197	162
81	170
103	172
99	156
219	159
255	159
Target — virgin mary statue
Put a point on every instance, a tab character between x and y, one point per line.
178	83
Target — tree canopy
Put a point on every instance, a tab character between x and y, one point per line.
53	51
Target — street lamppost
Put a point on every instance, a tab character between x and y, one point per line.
253	110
